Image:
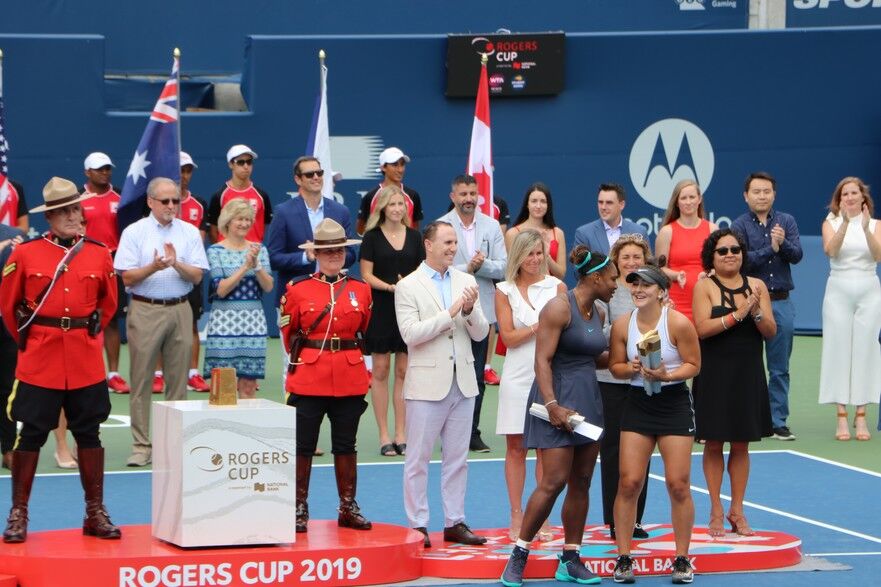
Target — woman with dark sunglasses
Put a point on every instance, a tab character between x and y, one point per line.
732	313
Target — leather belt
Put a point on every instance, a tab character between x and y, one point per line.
776	296
333	344
65	323
155	302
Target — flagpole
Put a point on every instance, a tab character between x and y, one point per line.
176	54
1	73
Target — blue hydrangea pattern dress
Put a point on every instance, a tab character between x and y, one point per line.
237	325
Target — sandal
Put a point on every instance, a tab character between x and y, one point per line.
716	527
843	432
859	424
388	450
545	533
739	525
400	448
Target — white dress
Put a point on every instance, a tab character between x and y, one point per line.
850	368
519	369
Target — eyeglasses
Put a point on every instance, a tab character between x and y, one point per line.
243	162
167	201
311	174
735	250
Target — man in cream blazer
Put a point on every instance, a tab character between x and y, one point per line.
481	253
439	315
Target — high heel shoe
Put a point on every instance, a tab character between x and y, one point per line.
859	425
71	464
516	522
716	527
843	432
739	525
545	534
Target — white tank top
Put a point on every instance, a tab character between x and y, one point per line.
854	254
669	353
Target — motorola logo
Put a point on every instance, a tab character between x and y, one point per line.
691	4
667	152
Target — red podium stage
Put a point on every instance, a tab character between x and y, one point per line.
329	556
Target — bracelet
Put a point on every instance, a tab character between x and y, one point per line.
532	328
724	326
734	314
553	401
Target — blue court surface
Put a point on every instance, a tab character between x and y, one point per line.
833	508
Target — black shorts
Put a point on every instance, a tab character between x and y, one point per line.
122	299
669	413
196	301
85	407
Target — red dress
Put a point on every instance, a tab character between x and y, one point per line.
685	255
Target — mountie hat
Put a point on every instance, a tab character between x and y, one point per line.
329	234
391	155
650	274
60	192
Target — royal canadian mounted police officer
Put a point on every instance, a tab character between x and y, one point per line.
324	317
58	293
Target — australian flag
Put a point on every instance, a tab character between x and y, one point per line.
157	155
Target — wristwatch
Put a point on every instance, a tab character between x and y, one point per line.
758	317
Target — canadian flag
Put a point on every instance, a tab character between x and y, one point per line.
480	161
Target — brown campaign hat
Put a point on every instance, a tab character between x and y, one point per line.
58	193
329	234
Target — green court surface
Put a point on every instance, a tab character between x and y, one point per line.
813	424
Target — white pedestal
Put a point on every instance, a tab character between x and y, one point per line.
224	475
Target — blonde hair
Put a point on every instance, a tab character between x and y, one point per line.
635	239
835	203
235	208
377	217
673	212
523	244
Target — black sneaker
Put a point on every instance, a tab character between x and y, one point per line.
783	433
512	576
682	571
623	570
639	533
477	445
574	571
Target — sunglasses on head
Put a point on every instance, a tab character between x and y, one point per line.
243	162
311	174
735	250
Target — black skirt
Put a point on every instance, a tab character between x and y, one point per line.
669	413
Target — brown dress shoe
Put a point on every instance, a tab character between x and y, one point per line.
462	534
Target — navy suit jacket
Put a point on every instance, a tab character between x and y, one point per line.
593	234
290	228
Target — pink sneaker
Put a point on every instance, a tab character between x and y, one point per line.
117	384
197	383
158	383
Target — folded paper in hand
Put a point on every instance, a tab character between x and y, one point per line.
577	421
649	347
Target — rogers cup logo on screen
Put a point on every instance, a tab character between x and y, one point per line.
667	152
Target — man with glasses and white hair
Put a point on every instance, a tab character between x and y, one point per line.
240	159
160	258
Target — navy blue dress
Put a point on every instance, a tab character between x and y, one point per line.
573	370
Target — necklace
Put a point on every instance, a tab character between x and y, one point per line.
585	313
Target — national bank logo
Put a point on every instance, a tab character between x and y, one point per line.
667	152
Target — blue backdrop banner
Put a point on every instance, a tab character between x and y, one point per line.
825	13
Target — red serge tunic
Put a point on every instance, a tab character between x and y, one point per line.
326	372
54	355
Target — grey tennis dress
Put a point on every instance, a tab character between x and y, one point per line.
573	369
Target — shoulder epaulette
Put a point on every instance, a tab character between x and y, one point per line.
298	279
93	241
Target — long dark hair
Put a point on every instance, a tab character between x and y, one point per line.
524	209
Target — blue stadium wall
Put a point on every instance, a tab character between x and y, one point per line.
641	109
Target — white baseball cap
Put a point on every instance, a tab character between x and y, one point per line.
391	155
97	160
237	150
185	159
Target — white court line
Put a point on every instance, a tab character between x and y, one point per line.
826	554
835	463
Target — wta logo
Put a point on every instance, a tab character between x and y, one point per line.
667	152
